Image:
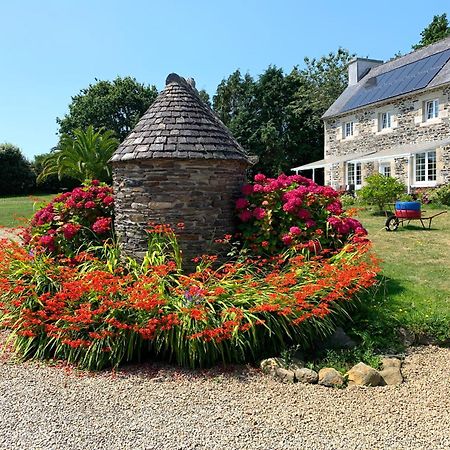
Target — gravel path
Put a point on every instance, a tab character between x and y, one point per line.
9	233
155	407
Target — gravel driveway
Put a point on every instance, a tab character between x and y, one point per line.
9	233
156	407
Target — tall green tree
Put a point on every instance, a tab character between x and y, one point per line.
278	116
325	78
235	104
204	96
114	105
16	175
51	184
438	29
84	155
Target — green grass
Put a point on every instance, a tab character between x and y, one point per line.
14	210
415	292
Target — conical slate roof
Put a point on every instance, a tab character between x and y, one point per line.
179	125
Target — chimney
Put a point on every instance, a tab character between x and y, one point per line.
358	68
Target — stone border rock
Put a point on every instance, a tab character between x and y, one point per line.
359	375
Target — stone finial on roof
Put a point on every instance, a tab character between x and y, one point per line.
180	125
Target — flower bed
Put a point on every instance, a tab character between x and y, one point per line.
98	309
96	313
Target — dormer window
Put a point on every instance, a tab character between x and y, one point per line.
431	109
348	129
385	121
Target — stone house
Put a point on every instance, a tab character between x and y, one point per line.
392	118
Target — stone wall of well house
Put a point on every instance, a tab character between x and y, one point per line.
200	193
408	127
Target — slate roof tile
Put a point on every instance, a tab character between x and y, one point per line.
179	125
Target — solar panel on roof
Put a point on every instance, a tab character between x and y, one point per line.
404	79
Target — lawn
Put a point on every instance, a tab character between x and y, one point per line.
416	267
13	210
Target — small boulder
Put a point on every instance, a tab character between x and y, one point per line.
391	376
391	362
363	375
305	375
330	377
269	365
285	374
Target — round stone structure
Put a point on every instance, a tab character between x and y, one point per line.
179	164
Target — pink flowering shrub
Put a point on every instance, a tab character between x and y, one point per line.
294	212
73	221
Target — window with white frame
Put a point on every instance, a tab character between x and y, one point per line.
385	169
431	109
425	167
385	121
348	129
354	174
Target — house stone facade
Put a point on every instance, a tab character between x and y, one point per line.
406	136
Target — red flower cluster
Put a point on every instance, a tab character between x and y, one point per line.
73	220
102	225
293	211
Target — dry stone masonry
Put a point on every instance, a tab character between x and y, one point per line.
179	164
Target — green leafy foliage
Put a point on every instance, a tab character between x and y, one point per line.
381	190
277	116
438	29
441	195
16	174
114	105
51	184
84	155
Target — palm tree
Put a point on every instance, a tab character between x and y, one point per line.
83	156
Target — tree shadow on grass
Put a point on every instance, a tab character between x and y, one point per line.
373	318
415	228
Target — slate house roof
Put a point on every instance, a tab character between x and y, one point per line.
420	70
179	125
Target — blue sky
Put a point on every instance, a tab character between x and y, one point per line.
51	49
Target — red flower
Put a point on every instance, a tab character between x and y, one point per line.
102	225
48	241
295	231
259	213
108	200
70	230
245	215
90	204
241	203
247	189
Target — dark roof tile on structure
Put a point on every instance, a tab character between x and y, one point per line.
179	125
